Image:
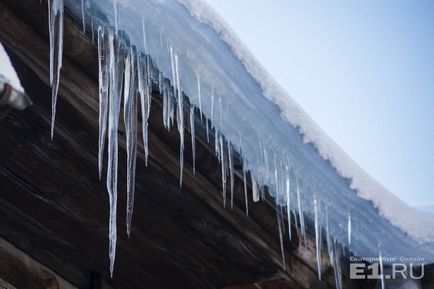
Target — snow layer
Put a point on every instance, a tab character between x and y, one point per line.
283	149
396	211
8	71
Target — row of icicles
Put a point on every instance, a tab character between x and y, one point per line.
126	74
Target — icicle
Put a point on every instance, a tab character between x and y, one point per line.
83	15
223	167
180	120
245	189
255	191
349	228
300	213
171	111
231	172
112	177
337	264
130	120
279	225
199	94
380	259
193	139
288	200
165	110
317	237
172	64
276	180
217	144
144	103
103	80
160	82
55	24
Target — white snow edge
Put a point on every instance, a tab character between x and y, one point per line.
8	71
418	225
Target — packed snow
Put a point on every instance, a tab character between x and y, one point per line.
305	172
8	71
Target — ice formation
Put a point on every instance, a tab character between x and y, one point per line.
55	25
282	150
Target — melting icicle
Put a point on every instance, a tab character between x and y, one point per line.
144	103
349	228
231	172
55	25
300	213
130	120
223	167
279	225
112	177
83	15
217	145
103	80
193	138
245	189
380	259
165	109
337	264
288	201
317	237
180	120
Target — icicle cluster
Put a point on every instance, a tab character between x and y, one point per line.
55	25
125	78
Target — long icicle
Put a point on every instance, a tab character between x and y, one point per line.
223	167
55	25
130	120
231	172
180	120
193	138
317	237
112	177
245	187
103	80
279	224
380	259
337	264
301	214
288	200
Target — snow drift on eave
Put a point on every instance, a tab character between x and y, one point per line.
281	146
418	225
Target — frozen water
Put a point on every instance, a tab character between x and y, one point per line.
205	61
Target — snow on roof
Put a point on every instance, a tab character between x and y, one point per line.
8	71
281	146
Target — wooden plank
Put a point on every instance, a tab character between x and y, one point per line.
22	271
